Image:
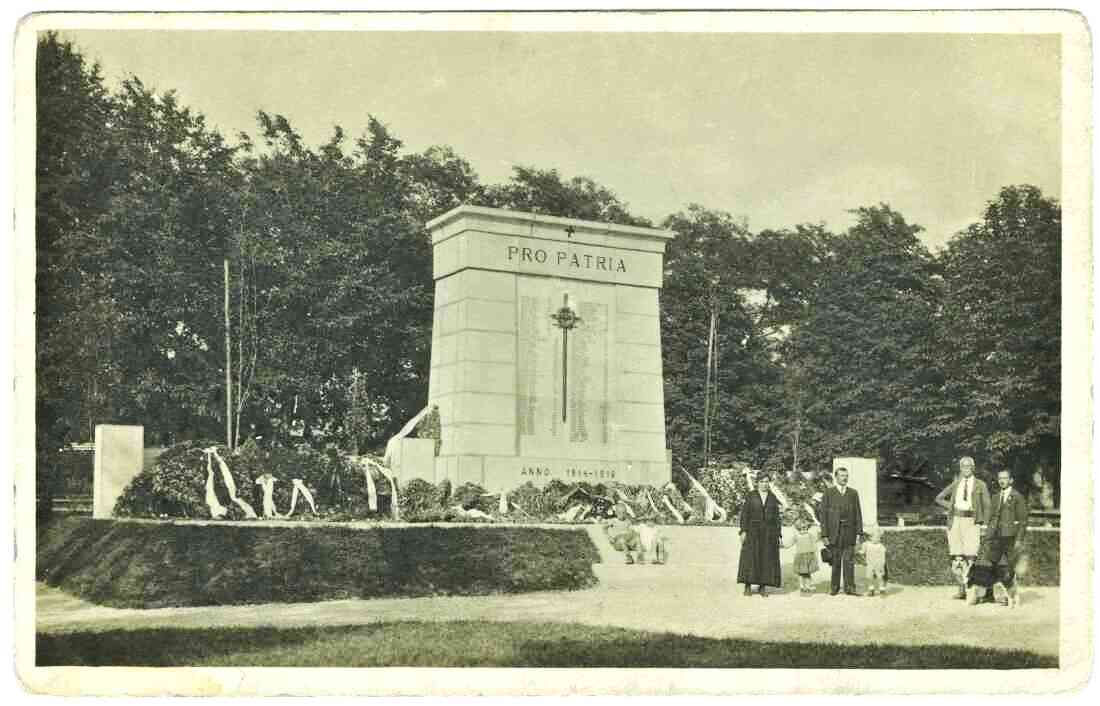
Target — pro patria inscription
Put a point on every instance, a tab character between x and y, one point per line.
566	258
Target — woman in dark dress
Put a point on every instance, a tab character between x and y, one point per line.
761	535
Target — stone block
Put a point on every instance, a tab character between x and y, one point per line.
444	380
484	408
469	469
486	439
636	300
635	416
638	358
448	349
119	456
491	286
638	328
486	346
643	446
636	387
490	315
414	458
479	376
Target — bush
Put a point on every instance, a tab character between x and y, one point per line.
176	485
418	499
150	565
918	556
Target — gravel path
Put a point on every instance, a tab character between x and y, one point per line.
696	599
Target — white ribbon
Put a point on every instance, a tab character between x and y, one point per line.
299	487
626	501
572	514
651	503
372	492
267	481
231	486
405	431
668	504
712	508
217	510
810	509
683	502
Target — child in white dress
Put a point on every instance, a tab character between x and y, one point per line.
874	552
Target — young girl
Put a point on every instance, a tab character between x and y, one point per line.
805	554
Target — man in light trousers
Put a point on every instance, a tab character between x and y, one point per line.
967	503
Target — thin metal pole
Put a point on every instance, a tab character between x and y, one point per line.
228	364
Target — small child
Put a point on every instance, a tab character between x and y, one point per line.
805	554
874	552
651	541
623	536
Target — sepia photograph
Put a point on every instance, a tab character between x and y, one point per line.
615	352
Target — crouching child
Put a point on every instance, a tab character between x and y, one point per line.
640	538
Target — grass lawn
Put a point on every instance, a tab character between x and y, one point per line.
491	644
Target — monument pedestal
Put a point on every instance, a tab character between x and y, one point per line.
546	350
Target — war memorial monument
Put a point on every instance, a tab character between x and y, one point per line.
546	351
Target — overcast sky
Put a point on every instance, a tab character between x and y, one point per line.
776	128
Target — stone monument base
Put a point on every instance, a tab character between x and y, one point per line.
506	473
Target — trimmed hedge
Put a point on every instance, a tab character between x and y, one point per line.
153	565
918	556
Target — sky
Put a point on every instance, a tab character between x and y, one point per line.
777	129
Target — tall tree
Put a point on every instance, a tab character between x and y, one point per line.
863	358
165	235
706	279
74	171
545	191
1000	333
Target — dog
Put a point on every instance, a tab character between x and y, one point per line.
1002	580
960	568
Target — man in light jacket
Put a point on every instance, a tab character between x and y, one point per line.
967	503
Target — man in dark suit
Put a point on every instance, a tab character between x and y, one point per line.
841	526
1004	535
